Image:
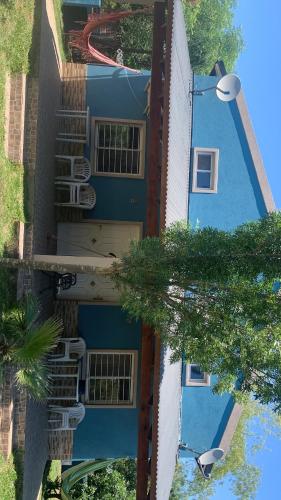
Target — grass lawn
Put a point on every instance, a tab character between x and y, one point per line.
64	52
8	478
16	24
11	474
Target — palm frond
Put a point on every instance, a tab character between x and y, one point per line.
22	317
34	379
38	342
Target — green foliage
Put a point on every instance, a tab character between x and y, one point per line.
11	476
210	31
136	41
134	35
179	482
211	295
211	34
16	20
115	481
24	343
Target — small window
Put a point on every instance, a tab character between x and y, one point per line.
111	378
119	148
205	170
195	376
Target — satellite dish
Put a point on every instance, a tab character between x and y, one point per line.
228	87
211	456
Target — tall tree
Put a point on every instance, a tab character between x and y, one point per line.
210	31
24	344
213	296
212	34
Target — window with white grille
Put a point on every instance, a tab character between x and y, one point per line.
119	148
111	378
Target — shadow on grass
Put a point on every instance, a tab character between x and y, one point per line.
34	53
51	482
18	456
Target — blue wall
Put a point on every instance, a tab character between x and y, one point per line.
204	417
106	433
113	93
217	124
83	3
117	93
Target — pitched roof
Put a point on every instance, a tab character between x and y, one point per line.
173	207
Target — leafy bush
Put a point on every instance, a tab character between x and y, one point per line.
116	481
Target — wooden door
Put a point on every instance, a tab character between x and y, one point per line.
97	239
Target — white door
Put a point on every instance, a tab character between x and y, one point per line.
97	239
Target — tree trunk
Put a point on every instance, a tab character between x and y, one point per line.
59	267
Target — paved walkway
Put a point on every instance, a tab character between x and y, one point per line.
36	446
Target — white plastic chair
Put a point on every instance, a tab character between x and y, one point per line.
80	194
71	417
71	120
88	197
74	349
80	168
64	381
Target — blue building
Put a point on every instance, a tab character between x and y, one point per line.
137	142
117	101
152	164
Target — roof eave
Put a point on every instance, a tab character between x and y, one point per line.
230	428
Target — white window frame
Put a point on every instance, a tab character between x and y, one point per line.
196	382
139	123
148	94
214	153
134	354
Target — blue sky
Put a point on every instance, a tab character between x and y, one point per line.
259	68
260	71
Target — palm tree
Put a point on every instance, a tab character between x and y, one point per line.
24	344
